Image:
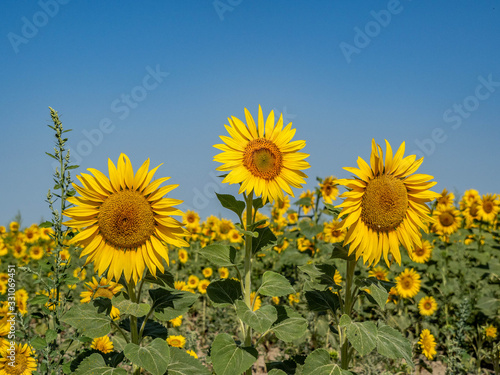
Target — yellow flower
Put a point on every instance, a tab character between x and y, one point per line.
103	344
427	306
191	219
256	303
103	288
207	272
276	300
470	196
183	256
489	207
176	341
51	304
309	206
337	277
126	220
65	257
332	231
24	363
293	298
282	205
490	331
329	190
262	157
385	205
427	344
31	234
281	246
379	272
36	252
422	253
235	236
292	217
223	272
176	322
446	220
202	286
2	229
180	285
80	273
192	353
445	200
408	283
193	282
14	226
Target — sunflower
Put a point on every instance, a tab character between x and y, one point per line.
176	322
36	252
471	213
427	306
276	300
193	281
207	272
445	199
446	220
181	285
14	226
329	190
292	217
337	277
203	285
103	344
282	205
235	236
223	272
262	157
385	205
192	353
489	207
310	198
379	272
176	341
427	344
224	228
490	332
408	283
183	256
24	363
293	298
422	253
103	288
332	232
31	234
255	303
191	218
281	245
126	219
470	196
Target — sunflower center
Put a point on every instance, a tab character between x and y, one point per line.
446	219
263	158
488	207
420	251
473	211
407	283
427	305
384	203
126	219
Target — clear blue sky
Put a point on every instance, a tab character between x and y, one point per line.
344	72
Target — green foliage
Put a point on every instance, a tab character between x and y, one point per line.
219	254
153	358
275	285
95	364
290	325
224	291
260	320
86	319
319	363
230	359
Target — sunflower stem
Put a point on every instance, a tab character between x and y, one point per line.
133	320
347	309
248	268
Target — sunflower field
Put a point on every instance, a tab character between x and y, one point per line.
376	274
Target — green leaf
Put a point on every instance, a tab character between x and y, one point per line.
260	320
230	202
38	343
319	363
46	224
39	300
345	320
153	358
181	363
130	308
306	201
257	203
332	210
290	325
246	232
162	279
52	156
221	255
379	294
339	252
275	285
322	274
50	335
95	364
362	336
173	304
265	239
228	358
224	291
322	300
309	229
86	319
276	371
392	344
152	329
488	305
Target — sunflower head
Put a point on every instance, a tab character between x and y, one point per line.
103	344
124	221
408	283
427	344
261	157
427	306
385	205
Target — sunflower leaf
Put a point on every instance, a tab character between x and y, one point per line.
171	304
95	364
257	203
319	363
162	279
260	320
230	359
224	291
230	202
322	300
181	363
392	344
290	325
86	319
153	358
379	294
221	255
275	285
265	239
46	224
130	308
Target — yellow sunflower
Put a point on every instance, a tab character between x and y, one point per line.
126	220
223	272
408	283
489	207
490	332
281	206
24	363
332	232
379	272
446	220
293	298
329	190
309	206
103	344
36	252
183	256
445	199
427	306
471	213
202	286
262	157
256	303
192	353
176	322
422	253
103	288
427	344
191	218
470	196
385	205
176	341
193	281
235	236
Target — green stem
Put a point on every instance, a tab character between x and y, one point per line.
248	270
133	320
348	304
